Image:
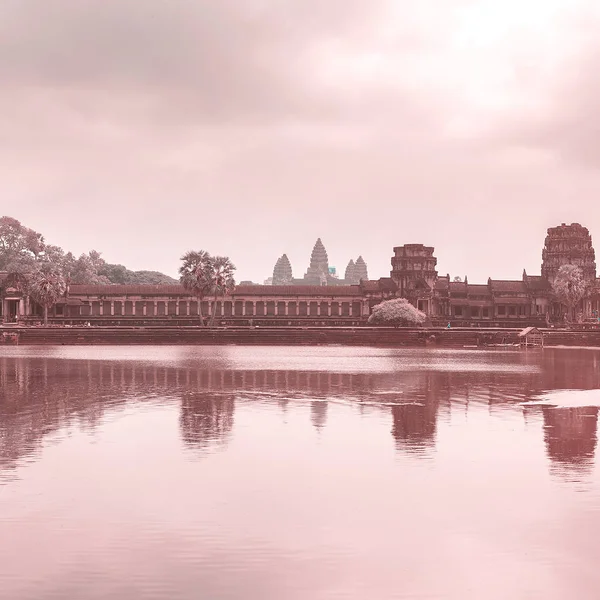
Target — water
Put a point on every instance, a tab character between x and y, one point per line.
298	473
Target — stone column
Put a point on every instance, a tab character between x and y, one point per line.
177	307
145	309
156	308
329	309
276	308
133	308
287	308
243	308
350	303
318	308
254	308
22	307
112	308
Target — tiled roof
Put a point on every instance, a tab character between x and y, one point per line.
241	290
537	282
297	290
478	289
457	287
517	287
117	290
370	286
387	283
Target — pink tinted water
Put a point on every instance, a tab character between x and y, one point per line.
298	473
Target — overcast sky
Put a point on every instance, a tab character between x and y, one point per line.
144	128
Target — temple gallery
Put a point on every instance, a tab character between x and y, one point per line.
321	298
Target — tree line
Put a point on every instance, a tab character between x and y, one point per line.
44	272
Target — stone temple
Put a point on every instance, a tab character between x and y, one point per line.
319	298
318	271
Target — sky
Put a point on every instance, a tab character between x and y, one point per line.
248	128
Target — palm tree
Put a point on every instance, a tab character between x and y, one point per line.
194	275
46	285
221	279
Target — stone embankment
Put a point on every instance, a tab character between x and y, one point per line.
359	336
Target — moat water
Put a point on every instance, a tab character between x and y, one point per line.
298	473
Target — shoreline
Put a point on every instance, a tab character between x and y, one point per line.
289	336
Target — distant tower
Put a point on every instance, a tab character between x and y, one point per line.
282	273
319	264
360	269
568	245
350	276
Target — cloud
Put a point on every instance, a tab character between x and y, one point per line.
297	118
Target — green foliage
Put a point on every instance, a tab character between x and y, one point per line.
398	311
20	246
22	250
46	285
569	286
202	274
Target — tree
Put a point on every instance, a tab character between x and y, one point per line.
221	279
46	285
18	244
195	275
569	287
398	311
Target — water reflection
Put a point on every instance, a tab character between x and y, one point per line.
40	395
570	436
333	473
206	419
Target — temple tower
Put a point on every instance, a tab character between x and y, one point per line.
319	264
568	245
360	269
413	271
282	273
349	275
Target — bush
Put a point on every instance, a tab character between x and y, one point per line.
396	312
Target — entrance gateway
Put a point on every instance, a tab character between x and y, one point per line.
11	309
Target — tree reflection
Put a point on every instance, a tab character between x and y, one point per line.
571	436
41	395
206	419
414	418
318	413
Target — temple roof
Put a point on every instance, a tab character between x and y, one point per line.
241	290
457	287
504	286
537	282
478	289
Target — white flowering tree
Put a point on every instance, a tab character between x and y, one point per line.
396	312
569	287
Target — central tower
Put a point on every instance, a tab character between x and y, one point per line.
413	267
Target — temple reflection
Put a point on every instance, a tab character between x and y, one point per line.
206	419
571	437
40	395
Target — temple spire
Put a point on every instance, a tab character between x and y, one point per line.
282	273
360	269
319	264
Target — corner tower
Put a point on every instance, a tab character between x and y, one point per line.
568	245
